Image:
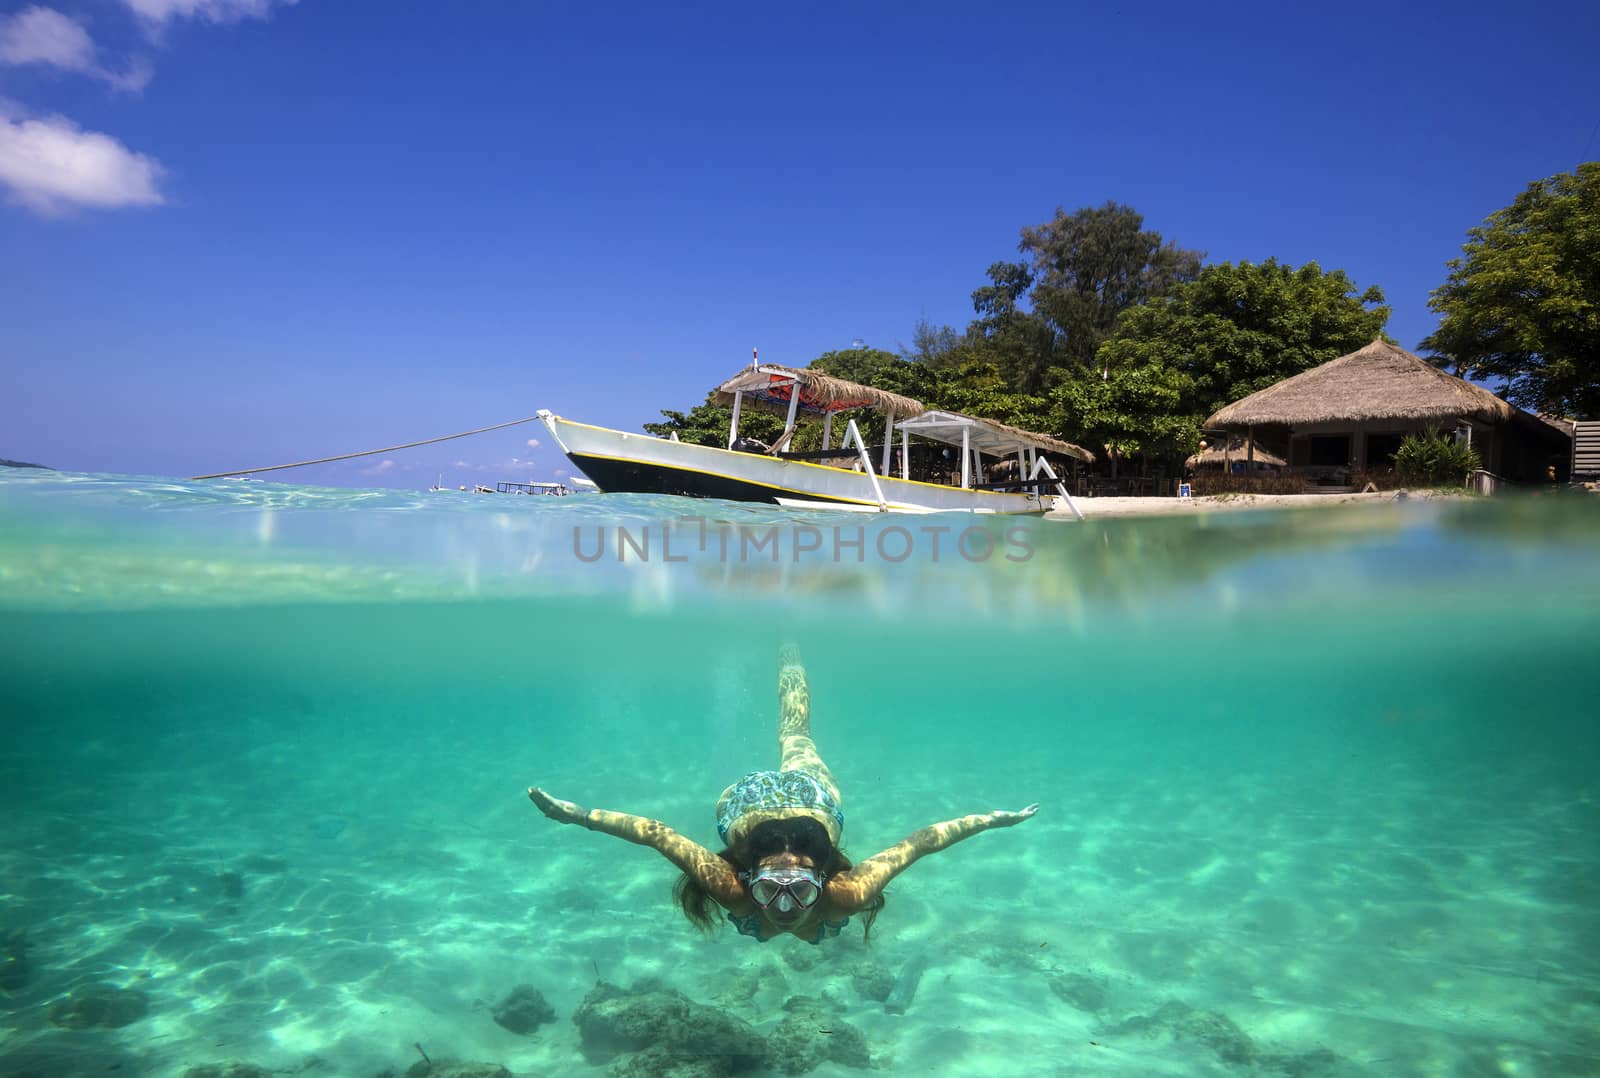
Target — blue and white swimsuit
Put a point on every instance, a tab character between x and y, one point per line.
750	925
774	795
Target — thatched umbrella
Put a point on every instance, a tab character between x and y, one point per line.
1378	382
989	435
1236	450
1045	441
768	385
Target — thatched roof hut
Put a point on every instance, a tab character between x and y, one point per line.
1378	382
768	386
1351	414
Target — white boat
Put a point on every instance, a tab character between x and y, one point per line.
549	490
844	477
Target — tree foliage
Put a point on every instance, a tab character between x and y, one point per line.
707	424
1090	266
978	387
1108	336
1234	329
1135	409
1018	343
1051	311
1238	328
1523	303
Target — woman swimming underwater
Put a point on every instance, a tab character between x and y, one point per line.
782	870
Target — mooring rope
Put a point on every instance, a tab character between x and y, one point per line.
365	452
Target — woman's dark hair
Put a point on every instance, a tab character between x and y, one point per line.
797	834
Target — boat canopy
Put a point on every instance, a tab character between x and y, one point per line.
770	386
987	435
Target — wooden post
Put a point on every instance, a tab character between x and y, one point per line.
733	427
794	405
888	440
827	430
966	459
905	453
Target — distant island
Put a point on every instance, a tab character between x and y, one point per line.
23	464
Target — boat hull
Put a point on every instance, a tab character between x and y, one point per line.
619	462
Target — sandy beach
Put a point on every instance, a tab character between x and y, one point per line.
1132	507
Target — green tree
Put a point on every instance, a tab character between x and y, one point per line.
1238	328
1523	303
1090	266
978	387
871	367
707	424
935	346
1018	343
1234	329
1052	310
1136	409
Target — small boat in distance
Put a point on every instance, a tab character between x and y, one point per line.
851	476
551	490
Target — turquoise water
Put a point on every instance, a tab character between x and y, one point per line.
1318	788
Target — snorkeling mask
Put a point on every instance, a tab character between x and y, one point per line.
784	890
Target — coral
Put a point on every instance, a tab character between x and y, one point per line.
445	1069
803	959
666	1030
1180	1022
801	1043
812	1033
872	981
99	1006
1082	992
662	1062
1318	1063
524	1010
59	1055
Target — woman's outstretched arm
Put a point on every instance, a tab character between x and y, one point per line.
714	874
856	889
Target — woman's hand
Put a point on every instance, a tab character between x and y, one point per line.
558	810
1011	819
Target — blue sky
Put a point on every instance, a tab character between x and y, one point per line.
239	232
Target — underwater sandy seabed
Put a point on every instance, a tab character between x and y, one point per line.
319	873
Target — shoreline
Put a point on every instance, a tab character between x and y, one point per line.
1155	506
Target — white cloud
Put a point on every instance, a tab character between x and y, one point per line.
381	468
533	443
41	35
51	165
161	11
